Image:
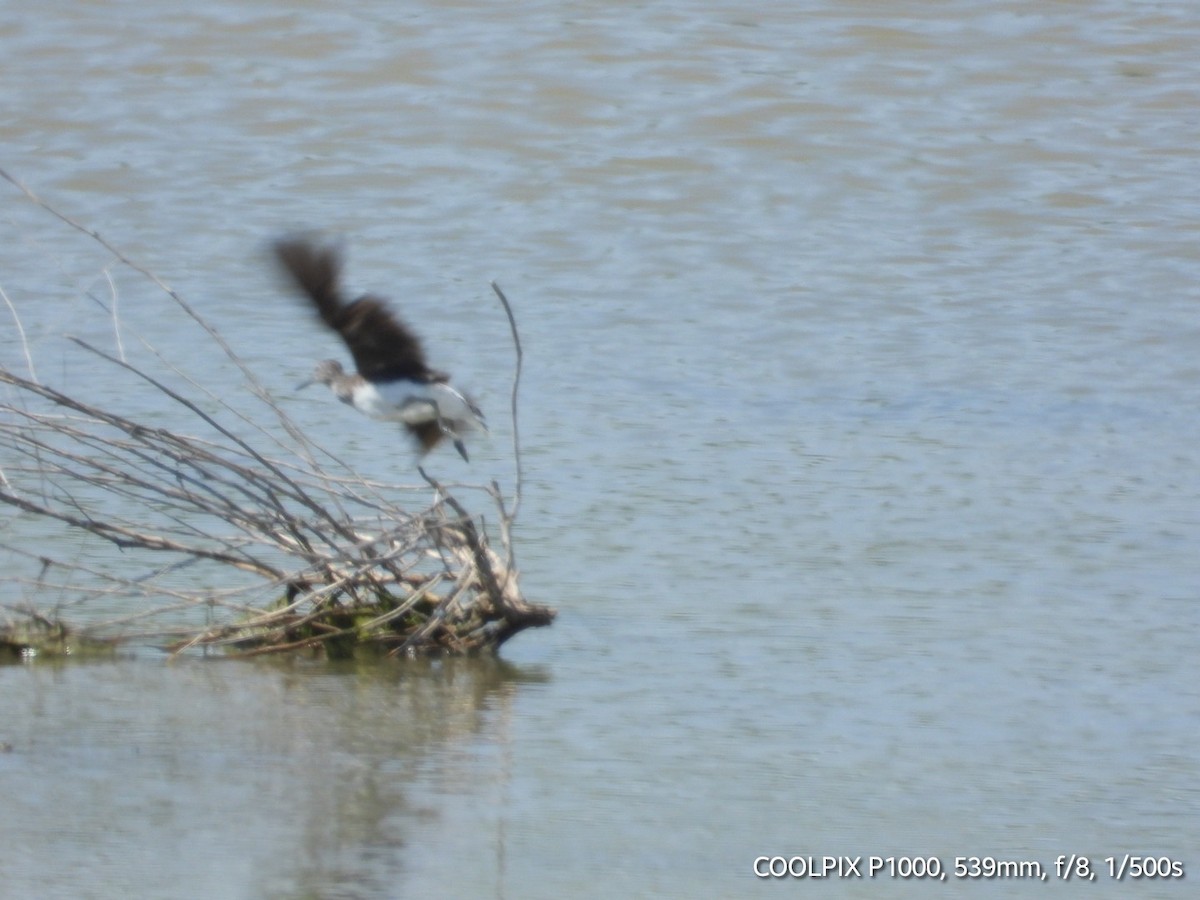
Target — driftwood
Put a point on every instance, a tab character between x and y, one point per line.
231	535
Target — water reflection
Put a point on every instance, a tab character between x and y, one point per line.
306	779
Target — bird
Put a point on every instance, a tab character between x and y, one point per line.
392	382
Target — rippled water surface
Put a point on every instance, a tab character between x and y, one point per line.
859	426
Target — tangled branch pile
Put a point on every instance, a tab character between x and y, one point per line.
263	550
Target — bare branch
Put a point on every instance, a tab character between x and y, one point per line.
268	550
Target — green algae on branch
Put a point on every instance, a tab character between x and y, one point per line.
474	611
36	637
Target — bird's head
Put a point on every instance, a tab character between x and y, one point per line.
325	373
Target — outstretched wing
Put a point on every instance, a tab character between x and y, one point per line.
382	346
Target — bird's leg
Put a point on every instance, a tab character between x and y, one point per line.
453	435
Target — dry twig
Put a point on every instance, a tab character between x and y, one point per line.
278	549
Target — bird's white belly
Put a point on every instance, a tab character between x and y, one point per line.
414	404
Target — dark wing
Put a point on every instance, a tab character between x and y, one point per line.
315	270
382	345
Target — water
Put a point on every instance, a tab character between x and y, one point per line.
858	426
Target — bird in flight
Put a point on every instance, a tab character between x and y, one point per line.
393	382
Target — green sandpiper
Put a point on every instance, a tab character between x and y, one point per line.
392	382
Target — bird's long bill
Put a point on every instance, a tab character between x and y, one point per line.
307	382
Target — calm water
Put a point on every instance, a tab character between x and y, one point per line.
859	421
